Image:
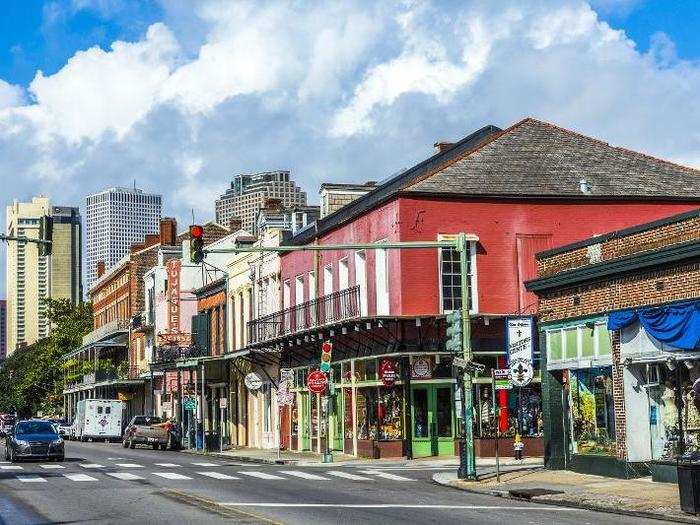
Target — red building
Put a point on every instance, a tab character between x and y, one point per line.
515	192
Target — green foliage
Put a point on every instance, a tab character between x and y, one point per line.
32	378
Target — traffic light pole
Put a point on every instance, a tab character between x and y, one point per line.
467	461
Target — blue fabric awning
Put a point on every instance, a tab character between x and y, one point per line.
677	324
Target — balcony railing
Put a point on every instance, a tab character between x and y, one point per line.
170	354
329	309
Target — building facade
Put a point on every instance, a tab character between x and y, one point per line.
3	329
384	309
248	193
32	277
116	219
620	336
336	195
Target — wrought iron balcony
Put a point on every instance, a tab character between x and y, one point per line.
170	354
329	309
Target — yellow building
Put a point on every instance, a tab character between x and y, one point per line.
31	277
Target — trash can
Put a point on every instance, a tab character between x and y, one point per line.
212	442
689	486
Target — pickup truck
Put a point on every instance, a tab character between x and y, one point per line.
151	430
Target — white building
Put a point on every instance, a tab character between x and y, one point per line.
116	219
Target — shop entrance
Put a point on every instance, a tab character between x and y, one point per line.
337	419
305	427
432	416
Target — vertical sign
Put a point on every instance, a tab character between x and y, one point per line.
519	340
174	266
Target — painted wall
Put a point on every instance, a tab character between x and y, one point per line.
510	232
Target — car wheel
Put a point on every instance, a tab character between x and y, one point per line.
132	444
155	446
125	444
164	446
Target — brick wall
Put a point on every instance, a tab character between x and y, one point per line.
619	398
615	247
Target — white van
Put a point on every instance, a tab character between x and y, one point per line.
98	419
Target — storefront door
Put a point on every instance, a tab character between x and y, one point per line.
305	424
432	417
338	418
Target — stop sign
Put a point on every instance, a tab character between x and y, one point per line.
317	381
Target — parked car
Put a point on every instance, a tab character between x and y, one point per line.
98	419
151	430
7	421
63	426
34	438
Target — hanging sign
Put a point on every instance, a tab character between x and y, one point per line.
521	372
421	368
284	396
223	402
189	403
501	379
388	373
317	381
519	340
253	381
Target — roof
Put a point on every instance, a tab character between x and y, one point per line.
534	158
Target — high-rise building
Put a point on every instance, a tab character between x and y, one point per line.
3	329
116	219
247	195
32	277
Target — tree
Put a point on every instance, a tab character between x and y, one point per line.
31	378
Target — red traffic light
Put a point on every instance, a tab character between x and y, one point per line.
196	231
327	347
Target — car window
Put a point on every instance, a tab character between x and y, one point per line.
34	427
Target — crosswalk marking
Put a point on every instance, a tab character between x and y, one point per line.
169	465
129	465
92	465
217	475
125	476
31	479
386	475
305	475
207	464
170	475
52	467
347	475
11	467
80	477
261	475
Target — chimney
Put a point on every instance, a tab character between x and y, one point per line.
168	231
100	269
234	224
442	146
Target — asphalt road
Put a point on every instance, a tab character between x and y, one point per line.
105	483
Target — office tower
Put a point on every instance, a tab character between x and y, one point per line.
3	329
116	219
32	277
248	193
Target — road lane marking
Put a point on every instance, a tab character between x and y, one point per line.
11	467
347	475
537	508
217	475
261	475
386	475
305	475
114	459
31	479
92	465
129	465
125	476
79	477
170	475
169	465
207	464
52	467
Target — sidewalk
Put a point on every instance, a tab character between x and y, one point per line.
636	497
310	459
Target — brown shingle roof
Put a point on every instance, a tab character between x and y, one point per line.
540	159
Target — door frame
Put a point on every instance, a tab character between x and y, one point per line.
432	445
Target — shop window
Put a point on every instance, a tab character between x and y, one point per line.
366	413
420	413
390	413
592	411
348	414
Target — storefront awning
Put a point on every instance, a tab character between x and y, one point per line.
661	357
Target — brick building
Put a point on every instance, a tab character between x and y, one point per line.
619	333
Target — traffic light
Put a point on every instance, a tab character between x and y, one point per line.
46	235
326	349
454	331
196	244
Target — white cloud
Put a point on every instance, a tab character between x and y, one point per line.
10	95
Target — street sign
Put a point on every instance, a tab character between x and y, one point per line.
223	402
189	403
388	373
317	381
501	378
519	340
253	381
521	372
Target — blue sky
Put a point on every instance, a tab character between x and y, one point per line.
182	94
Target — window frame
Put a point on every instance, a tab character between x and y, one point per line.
473	276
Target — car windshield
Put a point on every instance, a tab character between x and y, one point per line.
147	420
35	427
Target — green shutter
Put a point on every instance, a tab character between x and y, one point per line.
587	342
554	337
571	335
603	340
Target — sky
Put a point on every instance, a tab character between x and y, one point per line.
178	96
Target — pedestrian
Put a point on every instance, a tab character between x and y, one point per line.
518	447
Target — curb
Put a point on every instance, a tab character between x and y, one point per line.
245	459
563	502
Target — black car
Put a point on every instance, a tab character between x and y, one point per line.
34	439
